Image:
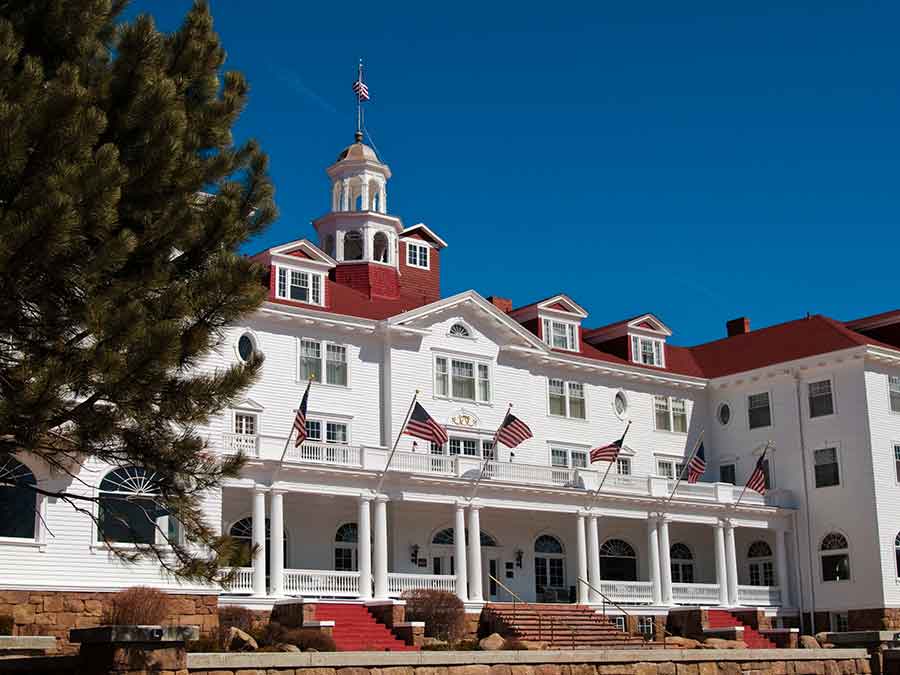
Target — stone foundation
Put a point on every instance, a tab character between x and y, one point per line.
56	612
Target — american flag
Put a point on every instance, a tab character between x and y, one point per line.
300	418
513	431
757	480
609	453
361	89
697	466
424	426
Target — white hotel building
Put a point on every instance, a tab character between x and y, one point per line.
360	310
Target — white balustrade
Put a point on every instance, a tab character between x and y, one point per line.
529	473
326	583
759	596
700	490
248	444
415	462
398	583
695	594
637	592
616	483
242	581
325	453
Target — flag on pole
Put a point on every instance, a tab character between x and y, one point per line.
361	89
757	480
424	426
300	418
513	431
697	466
609	453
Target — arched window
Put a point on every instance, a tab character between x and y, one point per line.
459	330
242	530
760	565
381	248
446	537
549	564
353	245
18	503
129	512
618	561
897	552
374	196
329	245
682	560
346	543
835	555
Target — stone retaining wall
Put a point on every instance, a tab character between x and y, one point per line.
56	612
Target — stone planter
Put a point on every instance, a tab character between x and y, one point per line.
120	649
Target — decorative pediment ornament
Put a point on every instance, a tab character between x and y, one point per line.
464	418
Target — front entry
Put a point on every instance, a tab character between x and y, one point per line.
491	588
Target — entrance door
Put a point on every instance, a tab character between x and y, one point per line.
443	564
493	569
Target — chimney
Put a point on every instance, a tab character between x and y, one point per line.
503	304
738	326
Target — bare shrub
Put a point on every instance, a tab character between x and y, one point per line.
137	606
443	613
273	633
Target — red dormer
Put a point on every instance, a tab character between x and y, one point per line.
556	321
420	262
641	339
298	272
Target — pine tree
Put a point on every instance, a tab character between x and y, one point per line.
123	202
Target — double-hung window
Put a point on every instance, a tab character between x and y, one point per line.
462	379
244	424
318	356
671	414
759	412
826	467
566	399
668	468
560	334
327	431
727	474
894	387
647	351
417	255
467	447
821	400
623	466
568	458
299	285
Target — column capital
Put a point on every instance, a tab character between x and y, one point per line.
475	506
582	514
382	498
258	488
664	517
366	497
278	491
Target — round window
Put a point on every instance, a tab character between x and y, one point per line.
724	414
246	347
620	403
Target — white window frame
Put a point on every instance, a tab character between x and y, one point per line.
837	458
569	450
657	346
422	250
323	361
893	380
244	413
771	424
675	467
670	400
626	462
734	466
572	329
477	365
567	389
283	292
835	552
323	422
830	381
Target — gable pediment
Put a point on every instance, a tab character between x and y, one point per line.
562	303
248	404
303	250
648	322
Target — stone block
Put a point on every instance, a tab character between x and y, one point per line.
548	669
14	597
728	668
524	670
687	669
429	670
73	604
615	669
182	606
809	668
398	670
45	619
463	670
93	607
646	669
704	668
500	669
831	668
588	669
53	603
778	668
352	671
862	666
847	667
190	620
316	671
23	614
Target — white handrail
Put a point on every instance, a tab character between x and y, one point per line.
759	596
399	582
248	444
695	594
242	582
330	583
325	453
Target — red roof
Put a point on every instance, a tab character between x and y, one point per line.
350	302
866	321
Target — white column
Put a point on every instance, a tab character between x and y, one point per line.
721	574
459	563
665	562
382	198
476	593
731	563
364	547
367	235
593	554
345	194
259	541
380	564
653	547
781	566
364	193
276	543
584	596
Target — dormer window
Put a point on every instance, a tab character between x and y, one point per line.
299	285
417	255
647	351
560	334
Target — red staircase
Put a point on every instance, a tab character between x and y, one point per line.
355	630
720	619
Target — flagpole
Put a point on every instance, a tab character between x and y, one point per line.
741	496
608	469
359	78
496	454
685	466
397	442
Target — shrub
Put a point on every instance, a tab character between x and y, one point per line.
137	606
514	644
443	613
274	633
6	624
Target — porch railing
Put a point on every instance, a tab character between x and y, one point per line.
325	453
398	582
243	579
629	592
529	473
759	596
412	462
695	594
247	444
321	583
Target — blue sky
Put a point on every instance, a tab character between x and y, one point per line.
700	160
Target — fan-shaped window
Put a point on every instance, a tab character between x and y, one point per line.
381	248
681	552
446	537
347	534
129	510
682	563
18	502
346	554
459	330
761	567
353	246
759	549
835	555
547	544
618	561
